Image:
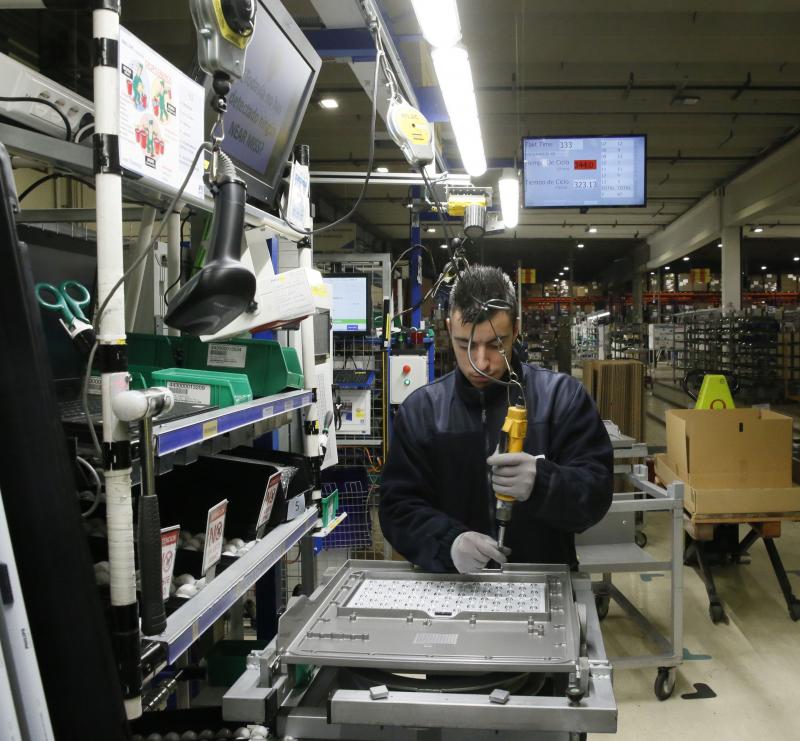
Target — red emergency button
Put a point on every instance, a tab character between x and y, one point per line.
406	369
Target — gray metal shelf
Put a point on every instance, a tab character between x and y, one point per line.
190	621
178	434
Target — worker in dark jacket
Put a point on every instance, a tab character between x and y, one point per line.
437	503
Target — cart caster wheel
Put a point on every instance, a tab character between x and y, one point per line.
664	684
602	602
641	539
717	613
794	611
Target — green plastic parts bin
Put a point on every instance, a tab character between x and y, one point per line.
204	387
270	367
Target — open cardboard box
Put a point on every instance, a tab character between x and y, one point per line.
733	461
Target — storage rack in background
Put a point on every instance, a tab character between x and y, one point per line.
540	334
755	348
627	342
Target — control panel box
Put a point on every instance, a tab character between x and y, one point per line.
407	373
356	416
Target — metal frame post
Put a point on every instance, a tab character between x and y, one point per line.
415	264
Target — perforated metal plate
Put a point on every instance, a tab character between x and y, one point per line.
449	598
386	615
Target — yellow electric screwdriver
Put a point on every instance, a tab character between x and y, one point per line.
512	437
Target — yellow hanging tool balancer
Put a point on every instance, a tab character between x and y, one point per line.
512	437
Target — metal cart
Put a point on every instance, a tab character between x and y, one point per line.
610	547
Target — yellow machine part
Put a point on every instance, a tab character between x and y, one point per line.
714	394
516	427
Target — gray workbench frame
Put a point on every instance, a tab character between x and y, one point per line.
607	558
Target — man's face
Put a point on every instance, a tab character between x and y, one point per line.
485	348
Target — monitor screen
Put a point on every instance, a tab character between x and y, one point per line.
351	302
266	107
584	171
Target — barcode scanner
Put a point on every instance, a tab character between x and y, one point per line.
224	288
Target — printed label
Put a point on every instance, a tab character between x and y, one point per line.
215	528
226	356
95	385
269	499
190	393
169	544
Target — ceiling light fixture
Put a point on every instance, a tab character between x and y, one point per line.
580	245
508	185
719	244
329	103
455	81
438	21
591	229
758	229
652	272
686	99
566	268
666	267
443	246
382	170
796	258
686	259
763	267
431	230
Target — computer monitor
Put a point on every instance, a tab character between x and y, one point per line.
585	171
351	302
266	107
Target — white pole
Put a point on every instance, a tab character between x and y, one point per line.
310	442
137	276
113	358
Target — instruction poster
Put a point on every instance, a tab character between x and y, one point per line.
161	114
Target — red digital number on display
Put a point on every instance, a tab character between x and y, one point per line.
585	164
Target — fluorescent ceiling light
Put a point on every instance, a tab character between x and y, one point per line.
443	246
561	273
686	259
580	245
719	244
455	81
763	267
508	185
329	103
438	20
652	272
566	267
796	259
592	230
758	229
667	267
382	170
431	230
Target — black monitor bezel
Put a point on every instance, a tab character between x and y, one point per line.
582	136
261	192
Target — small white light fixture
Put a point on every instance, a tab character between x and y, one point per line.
719	244
438	22
566	268
763	267
508	185
591	229
652	272
796	258
580	245
431	230
686	259
443	246
758	229
561	274
382	170
667	267
328	103
455	81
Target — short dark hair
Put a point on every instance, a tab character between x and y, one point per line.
477	286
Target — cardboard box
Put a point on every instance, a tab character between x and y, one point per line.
733	461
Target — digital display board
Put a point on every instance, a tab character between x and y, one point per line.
584	171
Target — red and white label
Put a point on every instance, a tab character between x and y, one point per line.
215	528
169	544
269	499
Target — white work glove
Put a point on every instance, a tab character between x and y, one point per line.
471	551
513	474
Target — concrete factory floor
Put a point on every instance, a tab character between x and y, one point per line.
746	670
